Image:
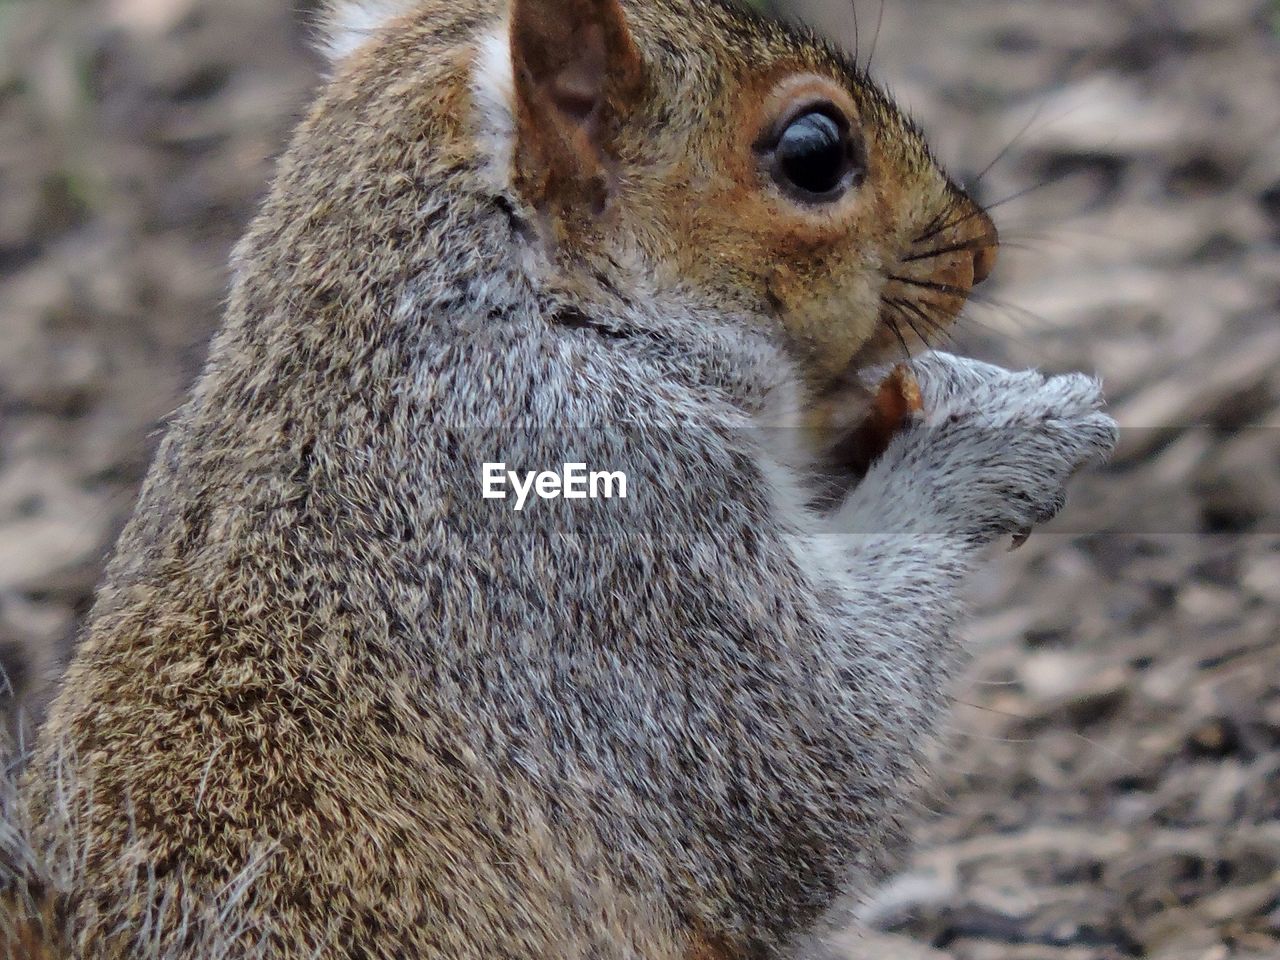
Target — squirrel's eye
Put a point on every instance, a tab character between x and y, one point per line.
816	157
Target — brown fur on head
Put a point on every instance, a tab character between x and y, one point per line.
634	137
675	117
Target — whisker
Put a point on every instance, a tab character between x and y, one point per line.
1033	347
857	40
943	327
937	228
992	710
876	38
965	245
937	326
934	226
977	211
1009	146
1019	316
986	300
1104	748
951	224
893	326
930	285
1019	194
914	329
903	305
1063	236
1019	245
932	324
969	320
955	730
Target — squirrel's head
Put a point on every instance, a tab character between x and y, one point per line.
715	152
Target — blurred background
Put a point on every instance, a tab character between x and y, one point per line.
1110	786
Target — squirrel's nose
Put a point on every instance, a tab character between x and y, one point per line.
984	259
986	247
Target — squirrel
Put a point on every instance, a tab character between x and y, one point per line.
333	702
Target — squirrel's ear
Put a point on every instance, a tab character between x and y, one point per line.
576	73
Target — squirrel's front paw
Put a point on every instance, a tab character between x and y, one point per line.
997	447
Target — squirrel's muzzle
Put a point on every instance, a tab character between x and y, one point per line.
933	276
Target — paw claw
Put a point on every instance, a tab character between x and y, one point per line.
1020	538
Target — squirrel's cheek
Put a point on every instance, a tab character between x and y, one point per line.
828	317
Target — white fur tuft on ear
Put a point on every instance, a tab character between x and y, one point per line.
493	90
346	25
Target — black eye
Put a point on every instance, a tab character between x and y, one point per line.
816	157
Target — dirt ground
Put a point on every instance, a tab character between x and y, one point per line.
1111	784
